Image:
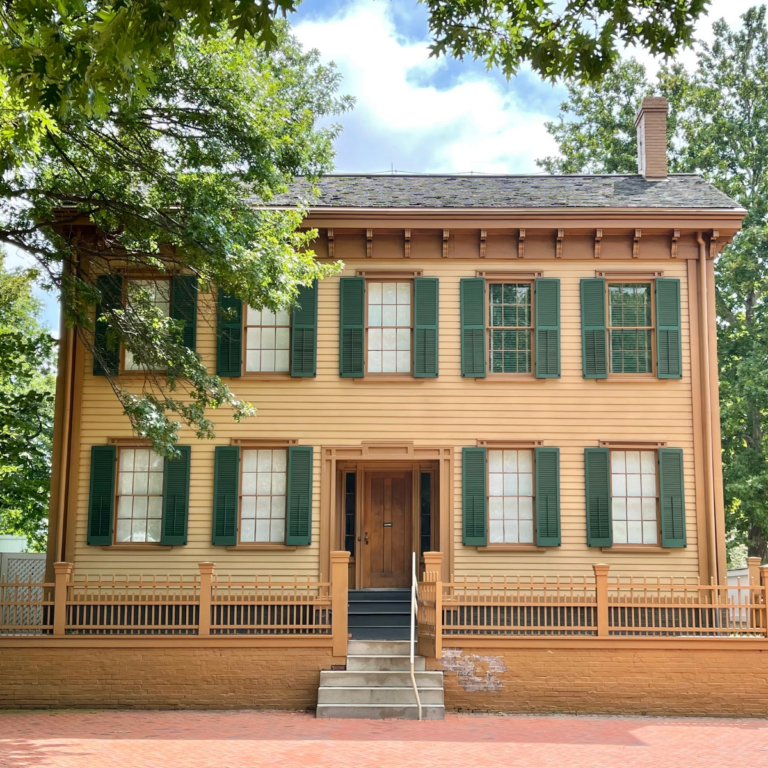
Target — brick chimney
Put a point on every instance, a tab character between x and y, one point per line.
651	124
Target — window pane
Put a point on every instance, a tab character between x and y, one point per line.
262	503
268	340
630	308
510	496
633	497
140	495
389	327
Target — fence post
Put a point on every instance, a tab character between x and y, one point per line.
339	601
601	598
62	573
433	563
206	593
764	572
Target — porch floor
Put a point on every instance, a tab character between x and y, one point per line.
94	739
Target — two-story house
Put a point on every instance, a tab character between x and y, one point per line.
517	372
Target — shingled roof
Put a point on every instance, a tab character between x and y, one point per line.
446	191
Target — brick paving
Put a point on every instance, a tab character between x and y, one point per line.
109	739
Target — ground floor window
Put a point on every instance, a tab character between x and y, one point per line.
263	495
634	497
510	496
139	495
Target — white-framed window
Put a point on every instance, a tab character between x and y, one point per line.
139	495
634	497
510	496
263	495
510	327
267	341
389	324
630	327
160	293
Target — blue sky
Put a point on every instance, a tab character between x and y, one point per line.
420	114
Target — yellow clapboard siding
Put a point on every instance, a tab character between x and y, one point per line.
453	412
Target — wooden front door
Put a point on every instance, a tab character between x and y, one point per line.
387	529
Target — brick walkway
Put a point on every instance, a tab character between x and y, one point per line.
278	740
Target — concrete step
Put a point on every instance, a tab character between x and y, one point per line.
347	679
379	647
381	711
383	663
378	695
379	633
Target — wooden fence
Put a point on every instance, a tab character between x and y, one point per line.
597	606
201	604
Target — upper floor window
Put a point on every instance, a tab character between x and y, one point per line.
510	327
634	497
159	291
267	341
389	322
510	496
630	327
139	495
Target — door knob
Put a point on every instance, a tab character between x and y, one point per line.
366	537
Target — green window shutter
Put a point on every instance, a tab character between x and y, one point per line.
474	497
597	470
594	349
298	523
304	333
226	481
352	327
473	327
106	358
672	498
184	307
547	497
425	328
229	345
176	498
101	499
669	353
547	328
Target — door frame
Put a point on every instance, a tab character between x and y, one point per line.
385	455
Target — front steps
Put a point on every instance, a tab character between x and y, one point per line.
377	684
380	614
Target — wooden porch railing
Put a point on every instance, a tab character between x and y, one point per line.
201	604
599	606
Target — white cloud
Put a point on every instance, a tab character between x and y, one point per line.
475	124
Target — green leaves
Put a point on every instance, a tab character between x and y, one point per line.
172	176
27	360
580	39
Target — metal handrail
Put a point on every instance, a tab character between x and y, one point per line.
414	611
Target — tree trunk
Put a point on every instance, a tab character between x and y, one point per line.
757	543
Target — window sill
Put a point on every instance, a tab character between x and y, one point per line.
632	379
265	546
640	550
269	377
375	378
506	378
138	547
512	548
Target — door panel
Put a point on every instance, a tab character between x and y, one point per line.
387	529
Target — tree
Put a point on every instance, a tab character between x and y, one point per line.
27	380
172	173
717	127
60	56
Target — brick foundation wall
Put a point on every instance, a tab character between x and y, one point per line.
162	678
684	678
